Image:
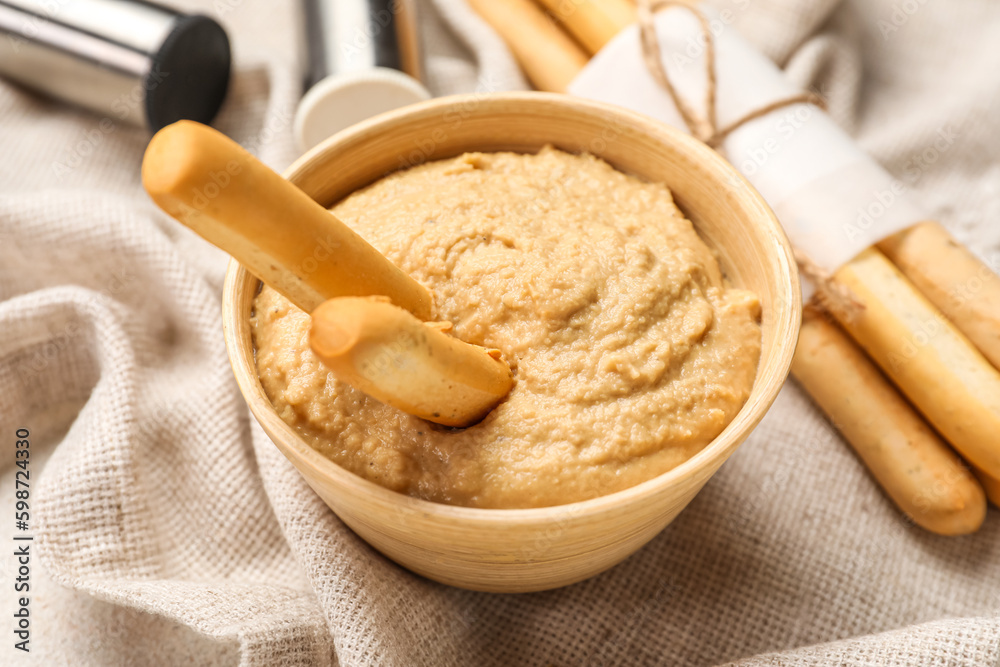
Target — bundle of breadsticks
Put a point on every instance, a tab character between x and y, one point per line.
900	344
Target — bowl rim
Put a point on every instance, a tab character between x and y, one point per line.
714	453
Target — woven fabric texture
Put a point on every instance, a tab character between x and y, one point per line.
169	530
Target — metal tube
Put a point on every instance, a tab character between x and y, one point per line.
345	36
129	60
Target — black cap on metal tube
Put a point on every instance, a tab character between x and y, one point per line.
128	60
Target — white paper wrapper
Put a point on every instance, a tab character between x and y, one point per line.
832	199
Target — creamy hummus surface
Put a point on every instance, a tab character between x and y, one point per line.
630	353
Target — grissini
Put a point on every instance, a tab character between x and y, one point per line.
965	289
549	57
928	359
211	184
593	23
387	353
915	468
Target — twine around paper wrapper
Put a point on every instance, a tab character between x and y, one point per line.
831	295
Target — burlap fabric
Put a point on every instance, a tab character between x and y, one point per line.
171	531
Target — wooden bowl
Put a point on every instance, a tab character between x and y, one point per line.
535	549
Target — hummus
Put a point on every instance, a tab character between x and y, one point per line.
630	354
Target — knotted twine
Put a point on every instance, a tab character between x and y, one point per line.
831	295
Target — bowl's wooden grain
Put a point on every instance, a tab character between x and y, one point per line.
535	549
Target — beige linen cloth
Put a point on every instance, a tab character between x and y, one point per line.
171	531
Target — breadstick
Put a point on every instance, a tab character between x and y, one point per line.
915	468
548	56
592	22
208	182
390	355
953	279
933	364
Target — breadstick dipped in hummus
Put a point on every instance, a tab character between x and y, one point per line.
917	470
387	353
212	185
